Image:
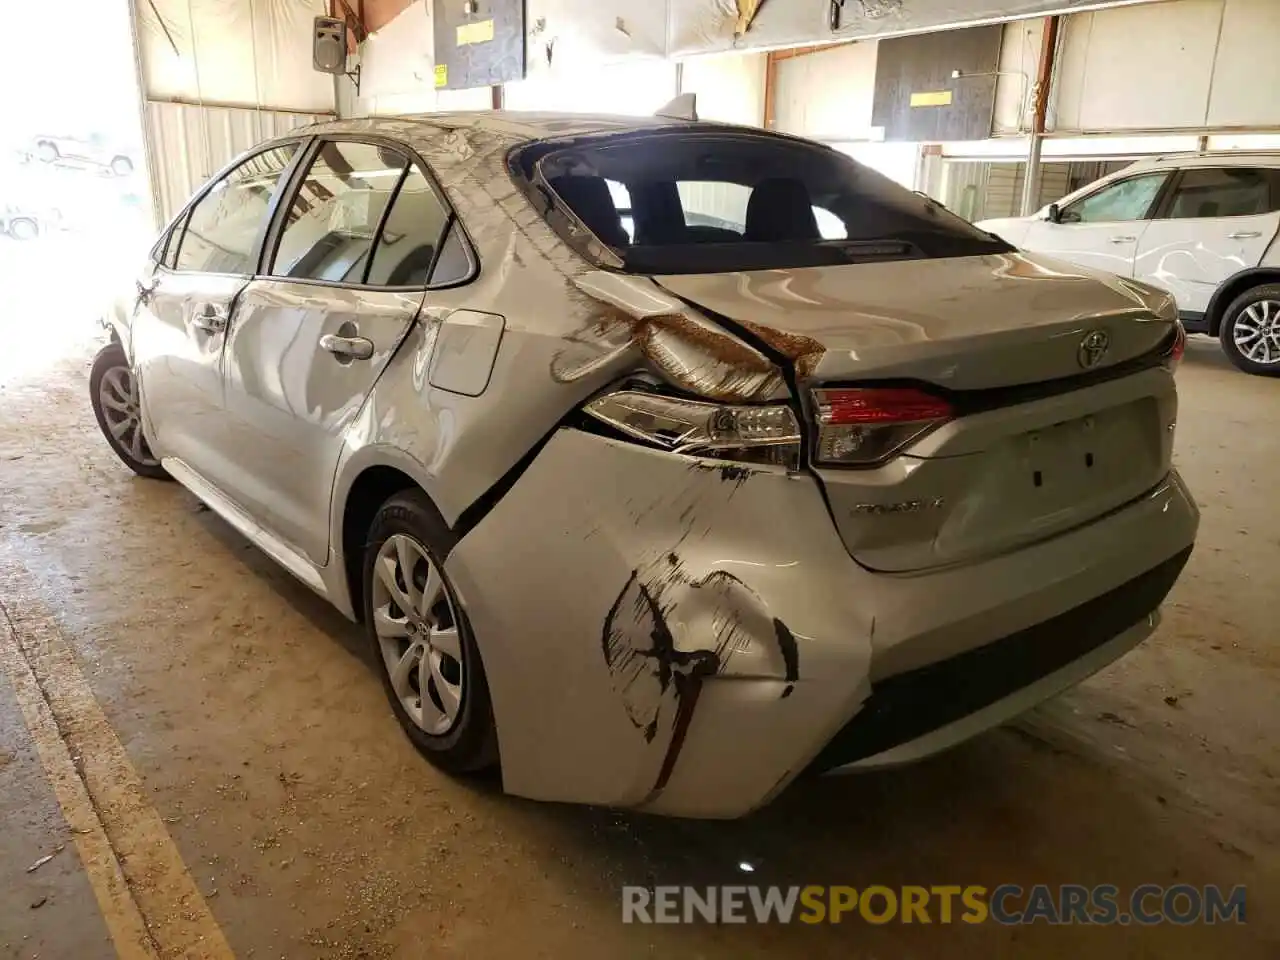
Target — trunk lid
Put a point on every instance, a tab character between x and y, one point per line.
965	323
1017	463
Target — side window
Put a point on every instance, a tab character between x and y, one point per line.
830	227
1127	200
454	263
225	225
621	197
330	226
411	234
1222	192
173	240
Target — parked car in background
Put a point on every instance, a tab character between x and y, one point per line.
23	221
1200	226
96	151
658	518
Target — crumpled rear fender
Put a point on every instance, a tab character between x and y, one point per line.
658	631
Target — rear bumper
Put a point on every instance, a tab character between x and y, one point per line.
919	712
685	637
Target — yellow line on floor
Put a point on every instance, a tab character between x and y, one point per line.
151	905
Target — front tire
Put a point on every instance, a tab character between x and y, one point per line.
24	229
113	390
422	641
1250	333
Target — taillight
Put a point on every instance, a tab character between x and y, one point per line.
864	426
1177	347
761	433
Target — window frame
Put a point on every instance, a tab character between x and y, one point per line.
178	227
275	230
1271	174
1157	202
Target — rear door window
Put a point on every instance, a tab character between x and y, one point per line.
411	236
335	214
706	200
1206	192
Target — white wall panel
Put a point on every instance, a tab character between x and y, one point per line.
1185	64
397	65
1019	65
1246	78
250	52
730	87
635	88
188	144
828	95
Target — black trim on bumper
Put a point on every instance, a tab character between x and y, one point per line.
907	706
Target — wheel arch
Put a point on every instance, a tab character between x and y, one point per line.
366	481
1233	287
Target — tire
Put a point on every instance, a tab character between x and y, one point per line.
46	151
23	228
121	166
1254	310
106	364
470	744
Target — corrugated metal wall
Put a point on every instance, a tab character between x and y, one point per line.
190	143
982	191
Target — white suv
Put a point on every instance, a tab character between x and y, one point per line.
1202	227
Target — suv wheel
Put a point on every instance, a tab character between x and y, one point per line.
113	391
427	657
1250	331
47	151
122	166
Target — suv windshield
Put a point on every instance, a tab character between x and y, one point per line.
709	200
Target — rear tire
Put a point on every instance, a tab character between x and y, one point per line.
409	526
114	394
1250	332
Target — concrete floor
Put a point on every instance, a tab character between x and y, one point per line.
255	721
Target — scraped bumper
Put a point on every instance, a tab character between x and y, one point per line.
684	636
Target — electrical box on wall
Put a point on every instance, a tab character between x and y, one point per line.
937	86
478	42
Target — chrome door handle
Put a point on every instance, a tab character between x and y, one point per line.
1122	239
347	348
209	319
1245	235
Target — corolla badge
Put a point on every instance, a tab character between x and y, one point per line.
1093	348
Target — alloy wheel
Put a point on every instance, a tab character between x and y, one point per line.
1256	332
417	627
118	397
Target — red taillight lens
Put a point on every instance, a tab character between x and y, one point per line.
864	426
1173	356
879	405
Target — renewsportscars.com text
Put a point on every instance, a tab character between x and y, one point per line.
1008	904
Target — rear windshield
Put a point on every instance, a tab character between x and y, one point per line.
708	201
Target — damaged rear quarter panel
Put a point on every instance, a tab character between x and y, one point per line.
661	631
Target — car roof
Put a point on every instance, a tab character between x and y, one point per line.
514	124
1234	159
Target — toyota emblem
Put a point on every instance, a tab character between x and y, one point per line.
1093	348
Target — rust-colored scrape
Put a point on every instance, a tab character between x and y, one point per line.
803	352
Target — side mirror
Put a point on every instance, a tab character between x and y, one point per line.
329	45
1055	213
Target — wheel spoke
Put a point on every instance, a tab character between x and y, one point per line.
431	593
447	642
403	670
450	694
112	403
388	626
120	428
408	558
135	443
386	570
120	383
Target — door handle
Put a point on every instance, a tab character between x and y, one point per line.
209	319
1122	239
1245	235
347	348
